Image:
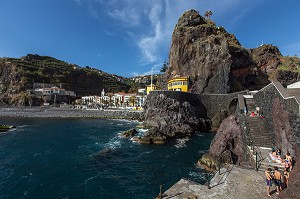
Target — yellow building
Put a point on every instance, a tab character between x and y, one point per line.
150	88
178	84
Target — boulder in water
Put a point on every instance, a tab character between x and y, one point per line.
130	133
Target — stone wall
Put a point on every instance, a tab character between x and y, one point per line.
279	112
215	103
211	103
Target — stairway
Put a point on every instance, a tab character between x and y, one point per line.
258	132
261	138
264	159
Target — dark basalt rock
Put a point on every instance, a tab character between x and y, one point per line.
218	118
228	145
216	62
153	136
130	133
287	138
207	54
174	117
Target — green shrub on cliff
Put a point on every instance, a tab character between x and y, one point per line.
22	73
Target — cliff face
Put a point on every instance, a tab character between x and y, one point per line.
18	75
177	116
214	59
206	53
227	146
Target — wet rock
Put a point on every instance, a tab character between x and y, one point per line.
228	145
103	152
218	118
174	116
153	136
130	133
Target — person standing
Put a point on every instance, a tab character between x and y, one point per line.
258	111
286	176
268	180
278	178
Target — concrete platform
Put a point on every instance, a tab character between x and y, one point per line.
234	182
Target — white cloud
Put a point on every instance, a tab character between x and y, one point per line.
153	70
149	44
149	24
128	16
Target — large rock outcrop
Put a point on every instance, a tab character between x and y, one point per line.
228	145
206	53
216	62
266	57
172	116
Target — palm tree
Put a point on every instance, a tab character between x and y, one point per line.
132	100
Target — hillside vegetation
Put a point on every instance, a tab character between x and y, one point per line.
18	75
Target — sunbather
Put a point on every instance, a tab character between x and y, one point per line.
275	158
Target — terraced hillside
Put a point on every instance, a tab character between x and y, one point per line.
18	74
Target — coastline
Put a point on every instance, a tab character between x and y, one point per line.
64	112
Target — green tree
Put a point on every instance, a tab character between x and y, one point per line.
164	67
208	14
132	100
134	87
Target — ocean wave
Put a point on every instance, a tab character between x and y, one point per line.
23	126
198	176
115	142
142	130
90	178
181	142
202	151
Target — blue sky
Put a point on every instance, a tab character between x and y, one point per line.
129	37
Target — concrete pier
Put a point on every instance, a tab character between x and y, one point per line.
234	182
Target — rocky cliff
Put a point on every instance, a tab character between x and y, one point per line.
215	61
18	75
228	145
176	116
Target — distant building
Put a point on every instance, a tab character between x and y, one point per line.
151	87
142	91
53	95
115	100
178	84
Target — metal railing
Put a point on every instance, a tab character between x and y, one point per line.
218	170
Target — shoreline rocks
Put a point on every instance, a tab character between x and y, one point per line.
173	116
129	133
54	112
4	128
228	146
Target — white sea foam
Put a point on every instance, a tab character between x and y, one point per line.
113	143
198	176
202	151
36	154
142	130
23	126
90	178
181	142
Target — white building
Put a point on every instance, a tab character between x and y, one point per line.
294	85
115	100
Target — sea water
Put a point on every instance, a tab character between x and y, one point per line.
86	158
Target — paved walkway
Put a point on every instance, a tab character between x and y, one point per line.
234	182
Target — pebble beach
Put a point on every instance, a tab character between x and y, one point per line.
66	112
